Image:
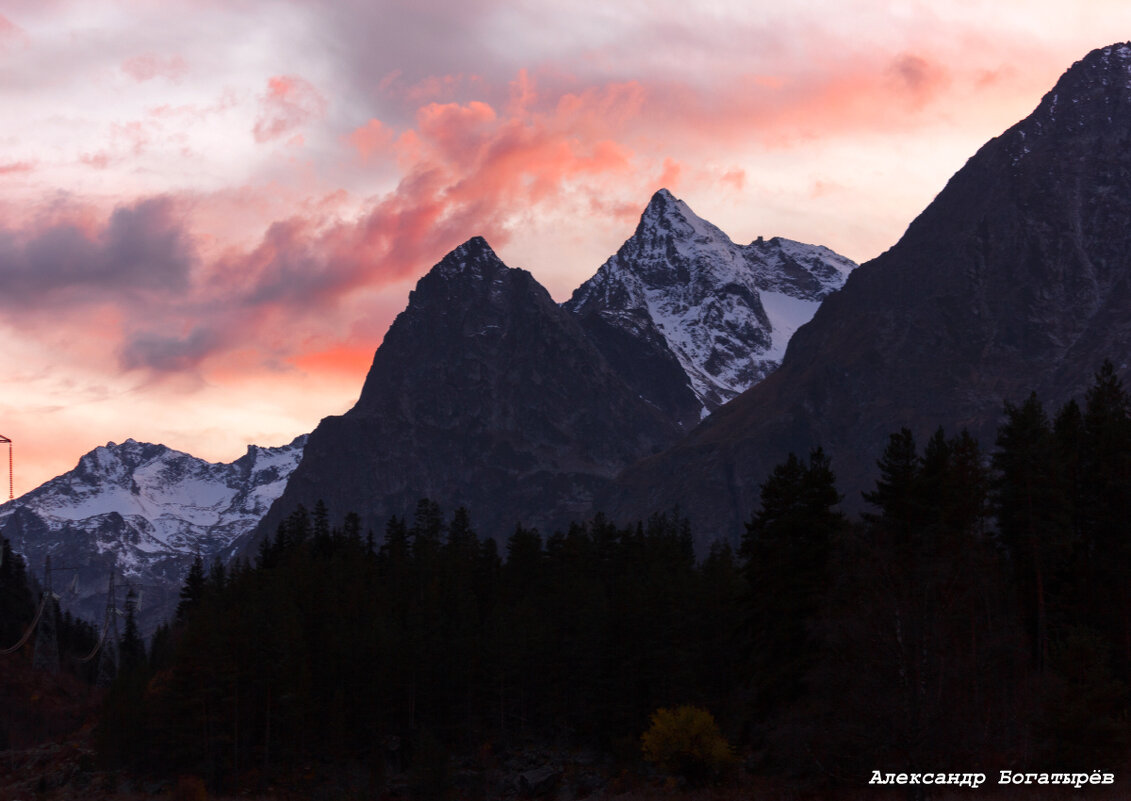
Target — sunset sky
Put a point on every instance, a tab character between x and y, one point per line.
210	212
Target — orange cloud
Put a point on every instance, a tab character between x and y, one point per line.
372	138
735	177
344	360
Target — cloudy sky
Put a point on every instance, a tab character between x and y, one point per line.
211	211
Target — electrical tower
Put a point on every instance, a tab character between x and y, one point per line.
46	636
11	478
108	656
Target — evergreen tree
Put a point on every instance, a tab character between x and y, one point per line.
131	652
1032	513
192	592
1106	510
786	552
321	527
17	605
351	527
898	494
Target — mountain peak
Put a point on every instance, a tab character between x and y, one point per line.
672	214
683	287
144	510
473	257
1095	91
1104	68
1114	56
661	200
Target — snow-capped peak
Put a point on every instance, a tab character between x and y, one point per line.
725	311
144	510
667	212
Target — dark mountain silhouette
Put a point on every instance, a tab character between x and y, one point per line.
486	394
1016	278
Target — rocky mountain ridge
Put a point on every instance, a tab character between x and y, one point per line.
723	313
485	393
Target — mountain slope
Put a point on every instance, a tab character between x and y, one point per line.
486	394
143	510
696	304
1017	277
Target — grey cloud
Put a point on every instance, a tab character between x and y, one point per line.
165	353
140	248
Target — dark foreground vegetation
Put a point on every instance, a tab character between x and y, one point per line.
977	619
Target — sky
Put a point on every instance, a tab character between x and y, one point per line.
211	211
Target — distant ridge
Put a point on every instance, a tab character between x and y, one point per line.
143	511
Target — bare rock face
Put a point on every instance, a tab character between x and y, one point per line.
1016	278
484	394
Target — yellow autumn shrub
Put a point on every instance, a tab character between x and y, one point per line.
686	741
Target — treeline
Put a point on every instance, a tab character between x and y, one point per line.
978	616
332	648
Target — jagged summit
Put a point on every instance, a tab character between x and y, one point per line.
722	312
1094	94
665	212
474	257
1102	74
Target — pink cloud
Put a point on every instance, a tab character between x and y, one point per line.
134	136
99	160
148	66
16	167
290	103
482	165
10	33
735	177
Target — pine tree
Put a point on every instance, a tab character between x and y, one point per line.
1032	513
193	590
898	495
17	606
132	649
786	552
1106	509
